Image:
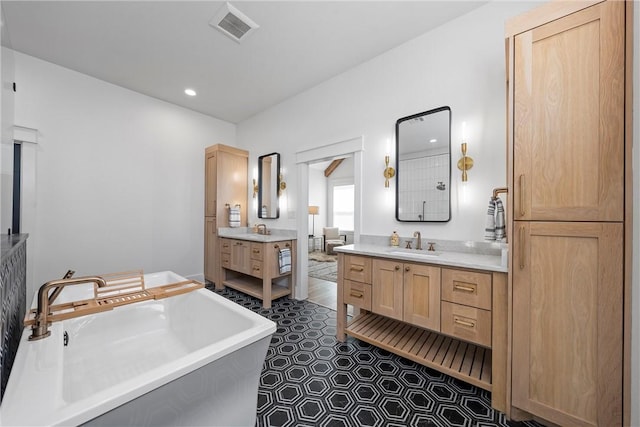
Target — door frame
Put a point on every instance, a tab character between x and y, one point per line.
353	147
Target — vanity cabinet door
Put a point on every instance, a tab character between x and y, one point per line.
387	287
422	295
567	323
240	256
568	117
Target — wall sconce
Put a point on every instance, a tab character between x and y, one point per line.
255	188
465	163
283	186
389	172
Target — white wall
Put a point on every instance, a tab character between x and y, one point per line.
120	176
317	197
460	64
6	131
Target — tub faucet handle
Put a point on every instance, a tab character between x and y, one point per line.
431	244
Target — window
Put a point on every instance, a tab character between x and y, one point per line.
343	207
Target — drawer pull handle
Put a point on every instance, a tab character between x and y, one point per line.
256	251
464	288
356	294
468	324
357	268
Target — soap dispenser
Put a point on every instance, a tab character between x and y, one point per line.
395	239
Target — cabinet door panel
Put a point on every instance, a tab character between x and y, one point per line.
210	246
569	118
240	257
422	296
211	183
567	324
387	288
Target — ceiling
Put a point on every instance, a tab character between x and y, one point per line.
159	48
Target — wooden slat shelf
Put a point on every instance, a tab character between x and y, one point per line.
254	287
459	359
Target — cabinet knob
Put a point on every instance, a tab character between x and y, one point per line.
397	267
407	268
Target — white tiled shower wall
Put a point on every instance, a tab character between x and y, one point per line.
424	174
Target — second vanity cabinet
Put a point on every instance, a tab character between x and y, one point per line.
252	268
447	318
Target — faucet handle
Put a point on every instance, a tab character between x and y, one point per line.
408	244
431	248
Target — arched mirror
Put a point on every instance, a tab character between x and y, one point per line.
268	185
423	166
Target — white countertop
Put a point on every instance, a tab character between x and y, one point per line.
452	259
255	237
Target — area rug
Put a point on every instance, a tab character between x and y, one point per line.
322	257
327	269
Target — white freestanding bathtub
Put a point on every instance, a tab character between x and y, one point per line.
192	359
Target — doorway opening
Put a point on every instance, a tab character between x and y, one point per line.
351	148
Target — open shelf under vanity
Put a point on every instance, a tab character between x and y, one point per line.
465	361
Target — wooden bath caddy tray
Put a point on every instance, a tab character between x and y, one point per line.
122	289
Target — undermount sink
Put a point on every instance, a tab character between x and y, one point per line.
415	253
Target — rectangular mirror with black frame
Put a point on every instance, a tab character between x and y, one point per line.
423	166
268	184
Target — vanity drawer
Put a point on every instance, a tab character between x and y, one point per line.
357	268
467	287
357	294
467	323
256	268
225	246
225	260
256	251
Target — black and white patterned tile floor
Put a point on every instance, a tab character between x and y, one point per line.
311	379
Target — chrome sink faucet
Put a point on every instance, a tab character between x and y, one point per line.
418	240
40	328
262	228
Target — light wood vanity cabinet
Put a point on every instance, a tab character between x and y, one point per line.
225	173
452	320
466	305
356	274
568	105
407	291
252	268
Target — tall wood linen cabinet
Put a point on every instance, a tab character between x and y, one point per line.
226	179
569	173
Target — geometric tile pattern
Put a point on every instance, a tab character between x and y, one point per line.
311	379
13	289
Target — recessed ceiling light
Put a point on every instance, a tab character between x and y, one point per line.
433	140
190	92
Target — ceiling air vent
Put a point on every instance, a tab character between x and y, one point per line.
233	23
